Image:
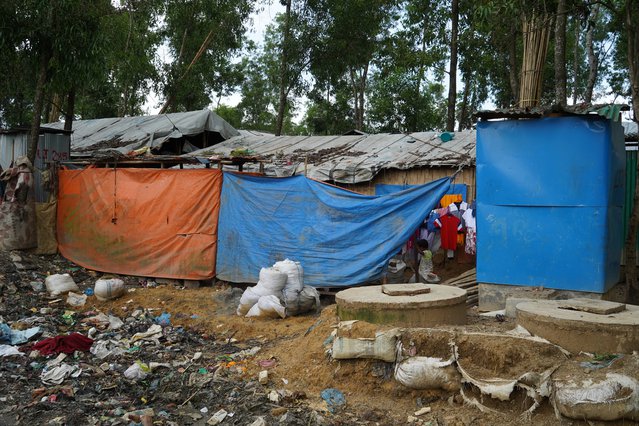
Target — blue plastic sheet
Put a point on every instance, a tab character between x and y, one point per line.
341	238
385	189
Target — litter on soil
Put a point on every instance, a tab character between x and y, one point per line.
166	355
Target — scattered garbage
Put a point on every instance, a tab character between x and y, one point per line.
164	319
76	300
65	344
8	350
17	337
333	398
109	288
56	374
137	371
217	418
58	284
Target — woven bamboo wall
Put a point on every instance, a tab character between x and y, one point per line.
416	176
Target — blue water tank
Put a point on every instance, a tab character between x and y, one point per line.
550	196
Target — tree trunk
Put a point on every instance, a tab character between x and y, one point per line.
464	106
53	114
593	61
69	114
34	135
284	81
452	83
560	53
575	63
632	21
512	66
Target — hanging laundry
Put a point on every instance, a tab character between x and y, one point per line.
450	198
470	223
449	226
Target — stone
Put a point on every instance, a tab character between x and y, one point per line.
263	377
405	289
273	396
422	411
601	307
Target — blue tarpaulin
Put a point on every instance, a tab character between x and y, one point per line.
385	189
341	238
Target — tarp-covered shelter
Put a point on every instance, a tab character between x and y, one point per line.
358	161
175	133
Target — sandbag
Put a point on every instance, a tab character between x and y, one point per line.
298	302
247	301
420	372
382	347
58	284
267	307
294	272
615	398
271	282
109	288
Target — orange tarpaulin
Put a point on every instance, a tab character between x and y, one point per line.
143	222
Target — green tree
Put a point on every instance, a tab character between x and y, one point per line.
202	37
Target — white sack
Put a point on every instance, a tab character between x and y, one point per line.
294	272
382	347
421	372
109	289
267	307
58	284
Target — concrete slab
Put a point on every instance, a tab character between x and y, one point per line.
405	289
601	307
492	297
442	305
578	331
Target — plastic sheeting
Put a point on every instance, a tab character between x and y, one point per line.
143	222
341	238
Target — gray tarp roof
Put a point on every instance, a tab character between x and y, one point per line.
348	159
125	134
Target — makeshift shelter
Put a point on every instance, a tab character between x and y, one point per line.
174	134
358	161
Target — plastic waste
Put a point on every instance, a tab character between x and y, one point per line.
164	319
109	289
56	375
58	284
334	399
8	350
75	299
137	371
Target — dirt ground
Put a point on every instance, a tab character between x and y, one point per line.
191	387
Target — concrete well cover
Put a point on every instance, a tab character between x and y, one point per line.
577	330
442	305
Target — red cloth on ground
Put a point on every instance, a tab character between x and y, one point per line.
449	225
67	344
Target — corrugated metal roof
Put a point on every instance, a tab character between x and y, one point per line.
126	134
349	158
630	130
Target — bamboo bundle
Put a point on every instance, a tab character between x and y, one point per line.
536	37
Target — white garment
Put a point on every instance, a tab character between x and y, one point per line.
469	220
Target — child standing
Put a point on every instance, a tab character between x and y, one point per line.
425	261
